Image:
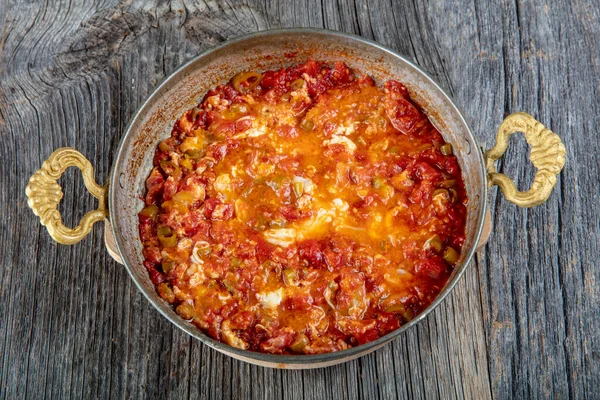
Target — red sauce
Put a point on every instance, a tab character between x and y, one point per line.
304	210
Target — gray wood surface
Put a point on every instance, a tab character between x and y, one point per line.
524	322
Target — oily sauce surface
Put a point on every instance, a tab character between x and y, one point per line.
305	210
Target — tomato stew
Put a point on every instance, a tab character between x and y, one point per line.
302	211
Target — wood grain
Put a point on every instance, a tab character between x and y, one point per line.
522	323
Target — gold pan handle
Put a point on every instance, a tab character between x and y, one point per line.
547	155
44	193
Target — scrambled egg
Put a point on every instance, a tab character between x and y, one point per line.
326	217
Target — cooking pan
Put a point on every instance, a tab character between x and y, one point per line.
120	199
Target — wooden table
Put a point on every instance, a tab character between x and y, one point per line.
524	321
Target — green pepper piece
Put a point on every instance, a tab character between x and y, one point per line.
450	255
307	125
245	81
167	265
170	168
229	286
289	276
378	182
204	251
165	145
167	237
297	84
235	262
299	343
298	188
150	212
164	290
195	154
186	311
446	149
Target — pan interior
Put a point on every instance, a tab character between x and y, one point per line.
272	50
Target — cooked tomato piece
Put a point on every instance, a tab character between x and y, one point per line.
155	276
434	268
311	252
154	186
278	342
152	254
403	115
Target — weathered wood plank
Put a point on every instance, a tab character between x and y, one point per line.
522	322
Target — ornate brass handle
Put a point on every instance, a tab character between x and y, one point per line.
45	193
547	155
